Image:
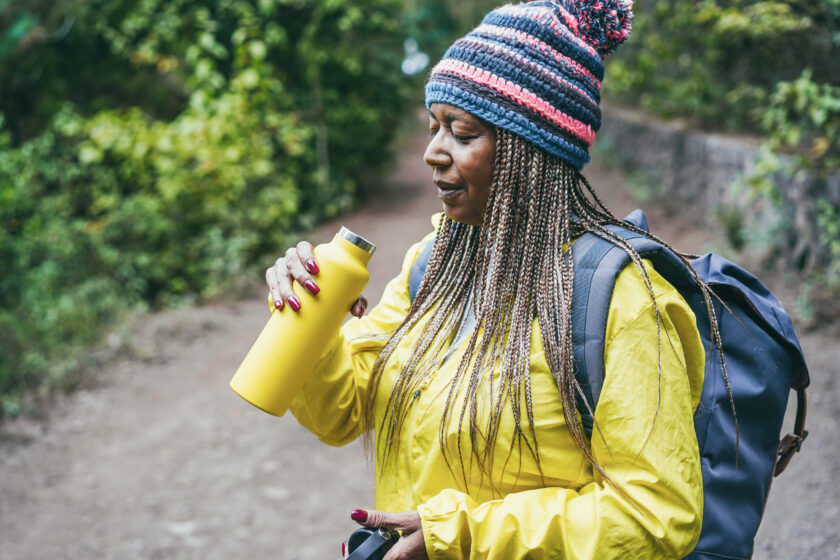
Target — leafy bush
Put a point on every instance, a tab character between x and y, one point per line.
756	66
248	120
718	61
802	126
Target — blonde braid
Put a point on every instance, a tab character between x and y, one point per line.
519	269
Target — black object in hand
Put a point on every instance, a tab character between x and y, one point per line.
368	543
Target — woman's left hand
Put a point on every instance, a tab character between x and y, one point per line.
411	545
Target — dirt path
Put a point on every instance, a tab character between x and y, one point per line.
161	460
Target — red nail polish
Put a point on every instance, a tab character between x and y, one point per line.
344	550
312	267
312	286
359	515
294	303
278	304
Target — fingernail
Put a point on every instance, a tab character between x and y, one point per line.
278	304
359	515
312	266
294	303
344	550
312	286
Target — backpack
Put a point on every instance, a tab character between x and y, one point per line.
764	361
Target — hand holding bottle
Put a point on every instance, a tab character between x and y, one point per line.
293	340
299	264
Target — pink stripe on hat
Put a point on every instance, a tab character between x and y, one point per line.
584	96
543	47
520	95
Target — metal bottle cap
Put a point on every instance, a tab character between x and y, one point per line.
357	240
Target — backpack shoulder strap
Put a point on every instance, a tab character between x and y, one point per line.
598	263
418	269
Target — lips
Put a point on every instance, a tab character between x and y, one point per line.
447	190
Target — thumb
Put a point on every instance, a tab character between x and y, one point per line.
406	522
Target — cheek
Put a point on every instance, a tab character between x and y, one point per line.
489	158
488	173
484	174
480	188
481	153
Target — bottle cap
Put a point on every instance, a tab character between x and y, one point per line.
357	240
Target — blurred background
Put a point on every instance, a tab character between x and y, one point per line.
155	154
153	151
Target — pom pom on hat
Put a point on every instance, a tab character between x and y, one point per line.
604	24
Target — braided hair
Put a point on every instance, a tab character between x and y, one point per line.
512	269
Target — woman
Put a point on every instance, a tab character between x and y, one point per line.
467	392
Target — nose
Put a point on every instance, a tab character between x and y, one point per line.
436	154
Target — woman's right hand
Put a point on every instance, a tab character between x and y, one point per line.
299	264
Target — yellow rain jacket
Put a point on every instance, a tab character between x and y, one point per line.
646	442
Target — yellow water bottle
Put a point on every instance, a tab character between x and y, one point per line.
276	366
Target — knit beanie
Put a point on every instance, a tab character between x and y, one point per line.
535	69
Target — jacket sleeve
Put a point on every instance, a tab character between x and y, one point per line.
644	439
331	403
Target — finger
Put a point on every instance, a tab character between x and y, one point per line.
307	256
409	547
284	285
299	273
359	307
407	521
274	286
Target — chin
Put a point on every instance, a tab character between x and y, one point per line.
456	215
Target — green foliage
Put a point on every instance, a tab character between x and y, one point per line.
436	23
804	118
802	125
828	221
246	120
56	56
717	61
15	29
765	66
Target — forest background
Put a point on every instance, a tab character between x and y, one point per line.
156	153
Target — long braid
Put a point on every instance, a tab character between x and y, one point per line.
517	268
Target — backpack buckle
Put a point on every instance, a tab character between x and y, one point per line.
790	445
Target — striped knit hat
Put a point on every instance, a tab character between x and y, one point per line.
535	69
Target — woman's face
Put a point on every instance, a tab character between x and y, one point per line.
461	153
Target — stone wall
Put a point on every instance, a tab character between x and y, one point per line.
699	170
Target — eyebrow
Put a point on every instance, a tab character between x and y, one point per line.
449	118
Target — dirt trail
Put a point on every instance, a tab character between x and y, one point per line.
161	460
